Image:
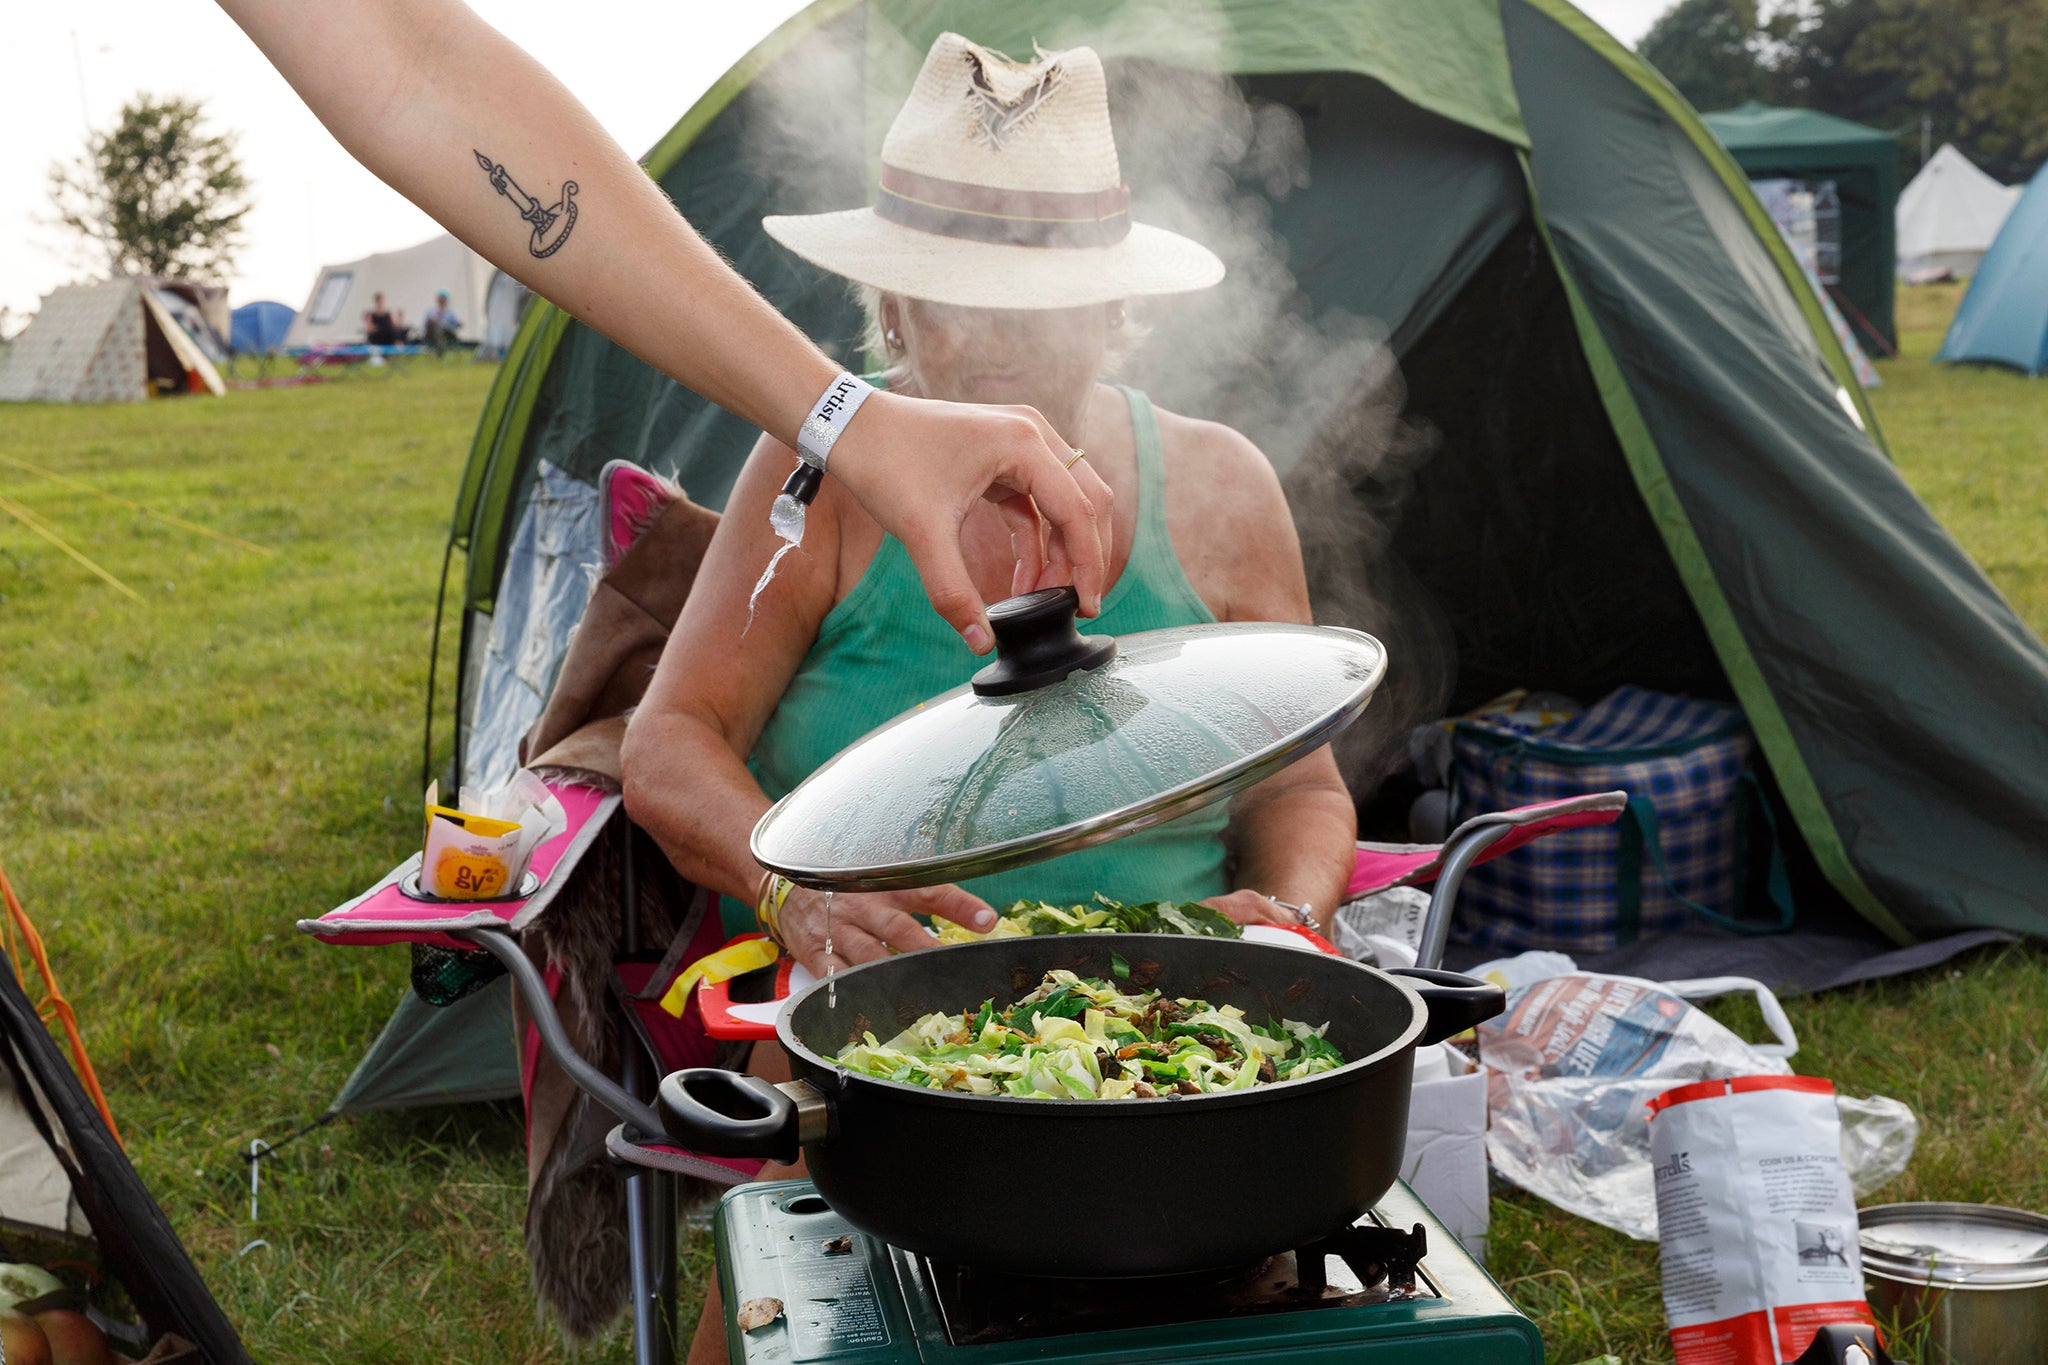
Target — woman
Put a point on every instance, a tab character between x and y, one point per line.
996	259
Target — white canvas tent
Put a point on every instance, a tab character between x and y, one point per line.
408	280
111	342
1949	214
504	307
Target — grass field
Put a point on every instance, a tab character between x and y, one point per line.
186	775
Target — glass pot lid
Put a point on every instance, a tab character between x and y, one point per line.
1065	741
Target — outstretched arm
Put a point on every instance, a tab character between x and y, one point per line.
466	125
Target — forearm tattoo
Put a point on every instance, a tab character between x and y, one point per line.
551	224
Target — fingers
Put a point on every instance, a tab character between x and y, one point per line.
851	946
1250	907
1027	541
949	586
950	902
1076	502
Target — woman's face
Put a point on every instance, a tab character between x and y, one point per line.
1046	357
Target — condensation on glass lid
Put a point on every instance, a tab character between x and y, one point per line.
1176	709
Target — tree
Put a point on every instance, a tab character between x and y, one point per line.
1713	51
159	194
1976	69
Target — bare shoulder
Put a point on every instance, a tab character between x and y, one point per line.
1212	452
1229	521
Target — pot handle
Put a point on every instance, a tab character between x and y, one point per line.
724	1113
1455	1002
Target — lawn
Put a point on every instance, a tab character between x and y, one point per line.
190	773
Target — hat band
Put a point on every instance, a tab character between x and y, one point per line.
982	213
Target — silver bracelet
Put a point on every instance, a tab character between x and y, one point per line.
834	409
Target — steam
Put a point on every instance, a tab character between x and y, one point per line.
1318	390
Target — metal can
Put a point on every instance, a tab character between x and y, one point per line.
1968	1281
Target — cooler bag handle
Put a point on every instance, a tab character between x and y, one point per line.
1638	829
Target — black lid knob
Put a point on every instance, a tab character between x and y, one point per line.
1037	644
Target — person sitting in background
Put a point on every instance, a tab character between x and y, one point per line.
440	325
382	327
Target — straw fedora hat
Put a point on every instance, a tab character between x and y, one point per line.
1000	188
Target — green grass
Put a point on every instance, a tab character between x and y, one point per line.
1964	1047
185	777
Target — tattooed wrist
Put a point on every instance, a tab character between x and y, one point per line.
551	223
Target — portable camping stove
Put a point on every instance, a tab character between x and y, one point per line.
1392	1286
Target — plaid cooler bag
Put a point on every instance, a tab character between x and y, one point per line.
1679	849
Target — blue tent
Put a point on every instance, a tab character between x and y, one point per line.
2004	317
259	327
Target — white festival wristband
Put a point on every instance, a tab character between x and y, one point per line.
827	422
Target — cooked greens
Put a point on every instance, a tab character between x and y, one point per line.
1083	1038
1105	916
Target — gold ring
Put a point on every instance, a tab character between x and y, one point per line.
1074	458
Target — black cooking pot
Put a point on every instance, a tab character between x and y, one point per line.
1092	1187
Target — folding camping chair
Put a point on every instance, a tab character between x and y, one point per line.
394	912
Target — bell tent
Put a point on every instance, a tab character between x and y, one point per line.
1861	165
117	341
2003	319
1648	461
408	279
1949	214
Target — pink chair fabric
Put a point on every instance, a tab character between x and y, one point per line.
1380	866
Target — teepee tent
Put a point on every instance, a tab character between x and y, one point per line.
116	341
408	279
1950	213
1651	462
2003	319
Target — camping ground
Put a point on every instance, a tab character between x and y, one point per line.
188	775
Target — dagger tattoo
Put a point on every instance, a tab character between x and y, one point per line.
551	224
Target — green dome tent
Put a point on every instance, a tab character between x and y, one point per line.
1650	462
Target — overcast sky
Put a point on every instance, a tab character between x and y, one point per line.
638	64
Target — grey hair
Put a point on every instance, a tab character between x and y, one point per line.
1123	341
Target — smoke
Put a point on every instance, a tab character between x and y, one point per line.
1316	388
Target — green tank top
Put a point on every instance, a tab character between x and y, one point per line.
883	650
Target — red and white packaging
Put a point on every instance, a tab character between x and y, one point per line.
1756	1218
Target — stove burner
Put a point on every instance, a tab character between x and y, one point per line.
979	1307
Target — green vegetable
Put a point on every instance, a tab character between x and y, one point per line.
1105	916
1063	1040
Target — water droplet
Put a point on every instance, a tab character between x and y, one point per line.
786	519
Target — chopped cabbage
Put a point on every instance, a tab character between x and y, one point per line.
1079	1038
1106	916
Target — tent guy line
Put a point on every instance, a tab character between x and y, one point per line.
43	529
82	486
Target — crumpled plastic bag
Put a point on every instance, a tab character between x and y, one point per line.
1575	1060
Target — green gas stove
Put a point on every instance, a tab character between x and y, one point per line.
1394	1287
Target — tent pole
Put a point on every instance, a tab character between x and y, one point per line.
433	672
